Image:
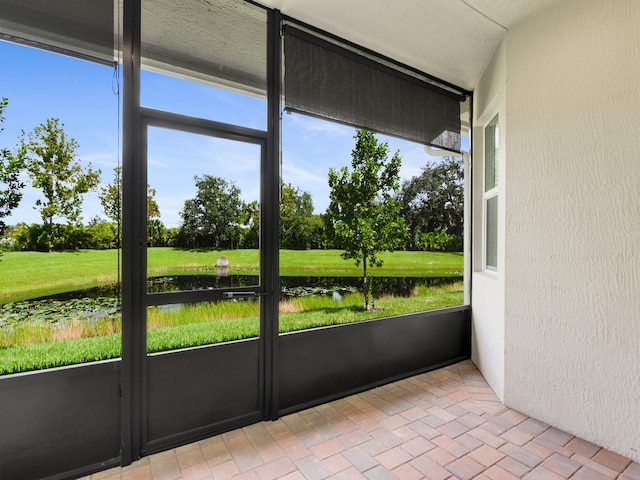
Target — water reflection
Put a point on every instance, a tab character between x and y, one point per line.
290	286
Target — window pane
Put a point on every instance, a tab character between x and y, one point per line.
319	286
205	59
491	142
492	232
204	211
203	204
60	296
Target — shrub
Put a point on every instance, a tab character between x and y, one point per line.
439	241
157	234
100	235
7	244
26	236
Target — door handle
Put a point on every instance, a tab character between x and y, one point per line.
240	294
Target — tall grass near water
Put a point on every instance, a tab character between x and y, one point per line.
35	346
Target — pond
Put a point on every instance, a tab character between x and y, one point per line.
94	303
290	286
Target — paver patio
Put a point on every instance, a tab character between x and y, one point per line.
445	424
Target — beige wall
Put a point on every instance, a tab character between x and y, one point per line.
572	220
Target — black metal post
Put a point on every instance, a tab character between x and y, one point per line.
270	216
133	233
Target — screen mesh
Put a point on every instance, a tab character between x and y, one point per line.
215	41
326	80
83	28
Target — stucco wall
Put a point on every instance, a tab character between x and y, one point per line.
572	252
487	307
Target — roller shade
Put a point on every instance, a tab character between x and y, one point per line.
83	28
326	80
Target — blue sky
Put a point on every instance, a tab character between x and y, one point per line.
40	85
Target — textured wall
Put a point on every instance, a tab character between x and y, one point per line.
572	294
488	288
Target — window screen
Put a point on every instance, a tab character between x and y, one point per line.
83	28
327	80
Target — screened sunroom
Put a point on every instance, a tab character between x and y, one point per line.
252	102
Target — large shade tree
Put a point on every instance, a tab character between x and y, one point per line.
54	168
433	202
110	197
300	228
11	164
364	209
212	218
250	222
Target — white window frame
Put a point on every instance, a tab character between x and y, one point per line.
490	193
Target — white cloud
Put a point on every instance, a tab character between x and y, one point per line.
308	127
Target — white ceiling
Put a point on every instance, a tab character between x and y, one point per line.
450	39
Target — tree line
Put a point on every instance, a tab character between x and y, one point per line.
368	204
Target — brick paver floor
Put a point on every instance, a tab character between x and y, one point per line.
445	424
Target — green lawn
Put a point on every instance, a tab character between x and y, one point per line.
396	264
25	275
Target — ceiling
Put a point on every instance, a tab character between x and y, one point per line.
453	40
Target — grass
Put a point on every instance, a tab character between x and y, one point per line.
41	332
396	264
21	273
39	343
310	312
213	323
36	356
25	275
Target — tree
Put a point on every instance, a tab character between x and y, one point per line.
11	164
364	208
213	216
433	202
53	166
111	201
250	221
153	210
298	227
315	232
111	197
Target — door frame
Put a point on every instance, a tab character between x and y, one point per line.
134	224
161	365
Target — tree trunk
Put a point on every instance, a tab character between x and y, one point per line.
49	230
365	284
